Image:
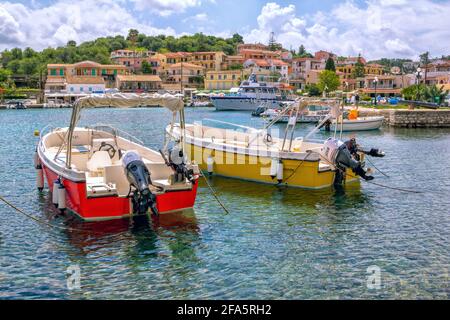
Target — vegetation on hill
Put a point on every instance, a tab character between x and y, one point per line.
31	62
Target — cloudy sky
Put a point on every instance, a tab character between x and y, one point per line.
375	28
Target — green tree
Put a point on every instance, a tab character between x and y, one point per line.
330	65
4	75
16	53
415	92
301	50
328	81
425	60
358	70
133	36
313	90
146	67
71	43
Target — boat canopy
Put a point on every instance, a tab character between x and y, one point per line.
121	100
130	100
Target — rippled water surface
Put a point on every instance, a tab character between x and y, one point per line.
276	243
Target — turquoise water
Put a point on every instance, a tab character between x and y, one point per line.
276	243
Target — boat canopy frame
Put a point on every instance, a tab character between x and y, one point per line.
122	100
295	108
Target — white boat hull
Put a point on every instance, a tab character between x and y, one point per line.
243	104
360	124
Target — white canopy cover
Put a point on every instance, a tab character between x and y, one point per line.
130	100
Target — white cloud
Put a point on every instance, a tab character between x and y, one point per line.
377	28
166	7
200	17
64	20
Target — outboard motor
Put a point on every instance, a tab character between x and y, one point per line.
139	178
336	153
177	162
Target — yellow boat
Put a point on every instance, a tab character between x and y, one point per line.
254	155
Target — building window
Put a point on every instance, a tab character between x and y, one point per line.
71	89
211	77
224	77
103	71
61	72
220	77
90	89
115	72
94	72
81	89
233	77
53	72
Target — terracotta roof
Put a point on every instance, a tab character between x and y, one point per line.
85	80
177	54
53	79
53	65
87	63
140	78
278	62
258	62
185	65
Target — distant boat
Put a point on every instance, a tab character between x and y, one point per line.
250	95
311	114
358	124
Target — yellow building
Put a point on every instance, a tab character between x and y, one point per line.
210	60
222	80
347	69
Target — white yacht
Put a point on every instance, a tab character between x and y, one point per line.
250	95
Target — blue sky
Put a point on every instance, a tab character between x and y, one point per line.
375	28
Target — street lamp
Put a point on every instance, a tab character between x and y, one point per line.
418	75
375	81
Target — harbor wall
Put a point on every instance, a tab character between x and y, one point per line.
412	118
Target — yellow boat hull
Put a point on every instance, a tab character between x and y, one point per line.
296	173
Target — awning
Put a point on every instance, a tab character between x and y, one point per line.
130	100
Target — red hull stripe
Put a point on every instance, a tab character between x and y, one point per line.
115	207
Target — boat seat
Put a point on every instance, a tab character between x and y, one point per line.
166	185
98	161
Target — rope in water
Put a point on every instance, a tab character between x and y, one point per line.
384	174
371	182
40	221
215	194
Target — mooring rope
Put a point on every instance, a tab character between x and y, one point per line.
41	221
215	194
371	182
384	174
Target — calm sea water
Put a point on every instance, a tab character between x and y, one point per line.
276	243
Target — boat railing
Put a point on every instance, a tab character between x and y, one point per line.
115	132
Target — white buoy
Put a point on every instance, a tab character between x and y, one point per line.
274	167
55	192
280	171
36	159
210	164
39	177
61	197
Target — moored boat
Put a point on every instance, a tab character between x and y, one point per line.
260	156
100	173
358	124
250	95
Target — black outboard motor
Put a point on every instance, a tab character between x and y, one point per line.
139	178
337	154
176	162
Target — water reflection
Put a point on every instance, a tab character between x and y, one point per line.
341	197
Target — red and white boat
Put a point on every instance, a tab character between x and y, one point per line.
100	174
